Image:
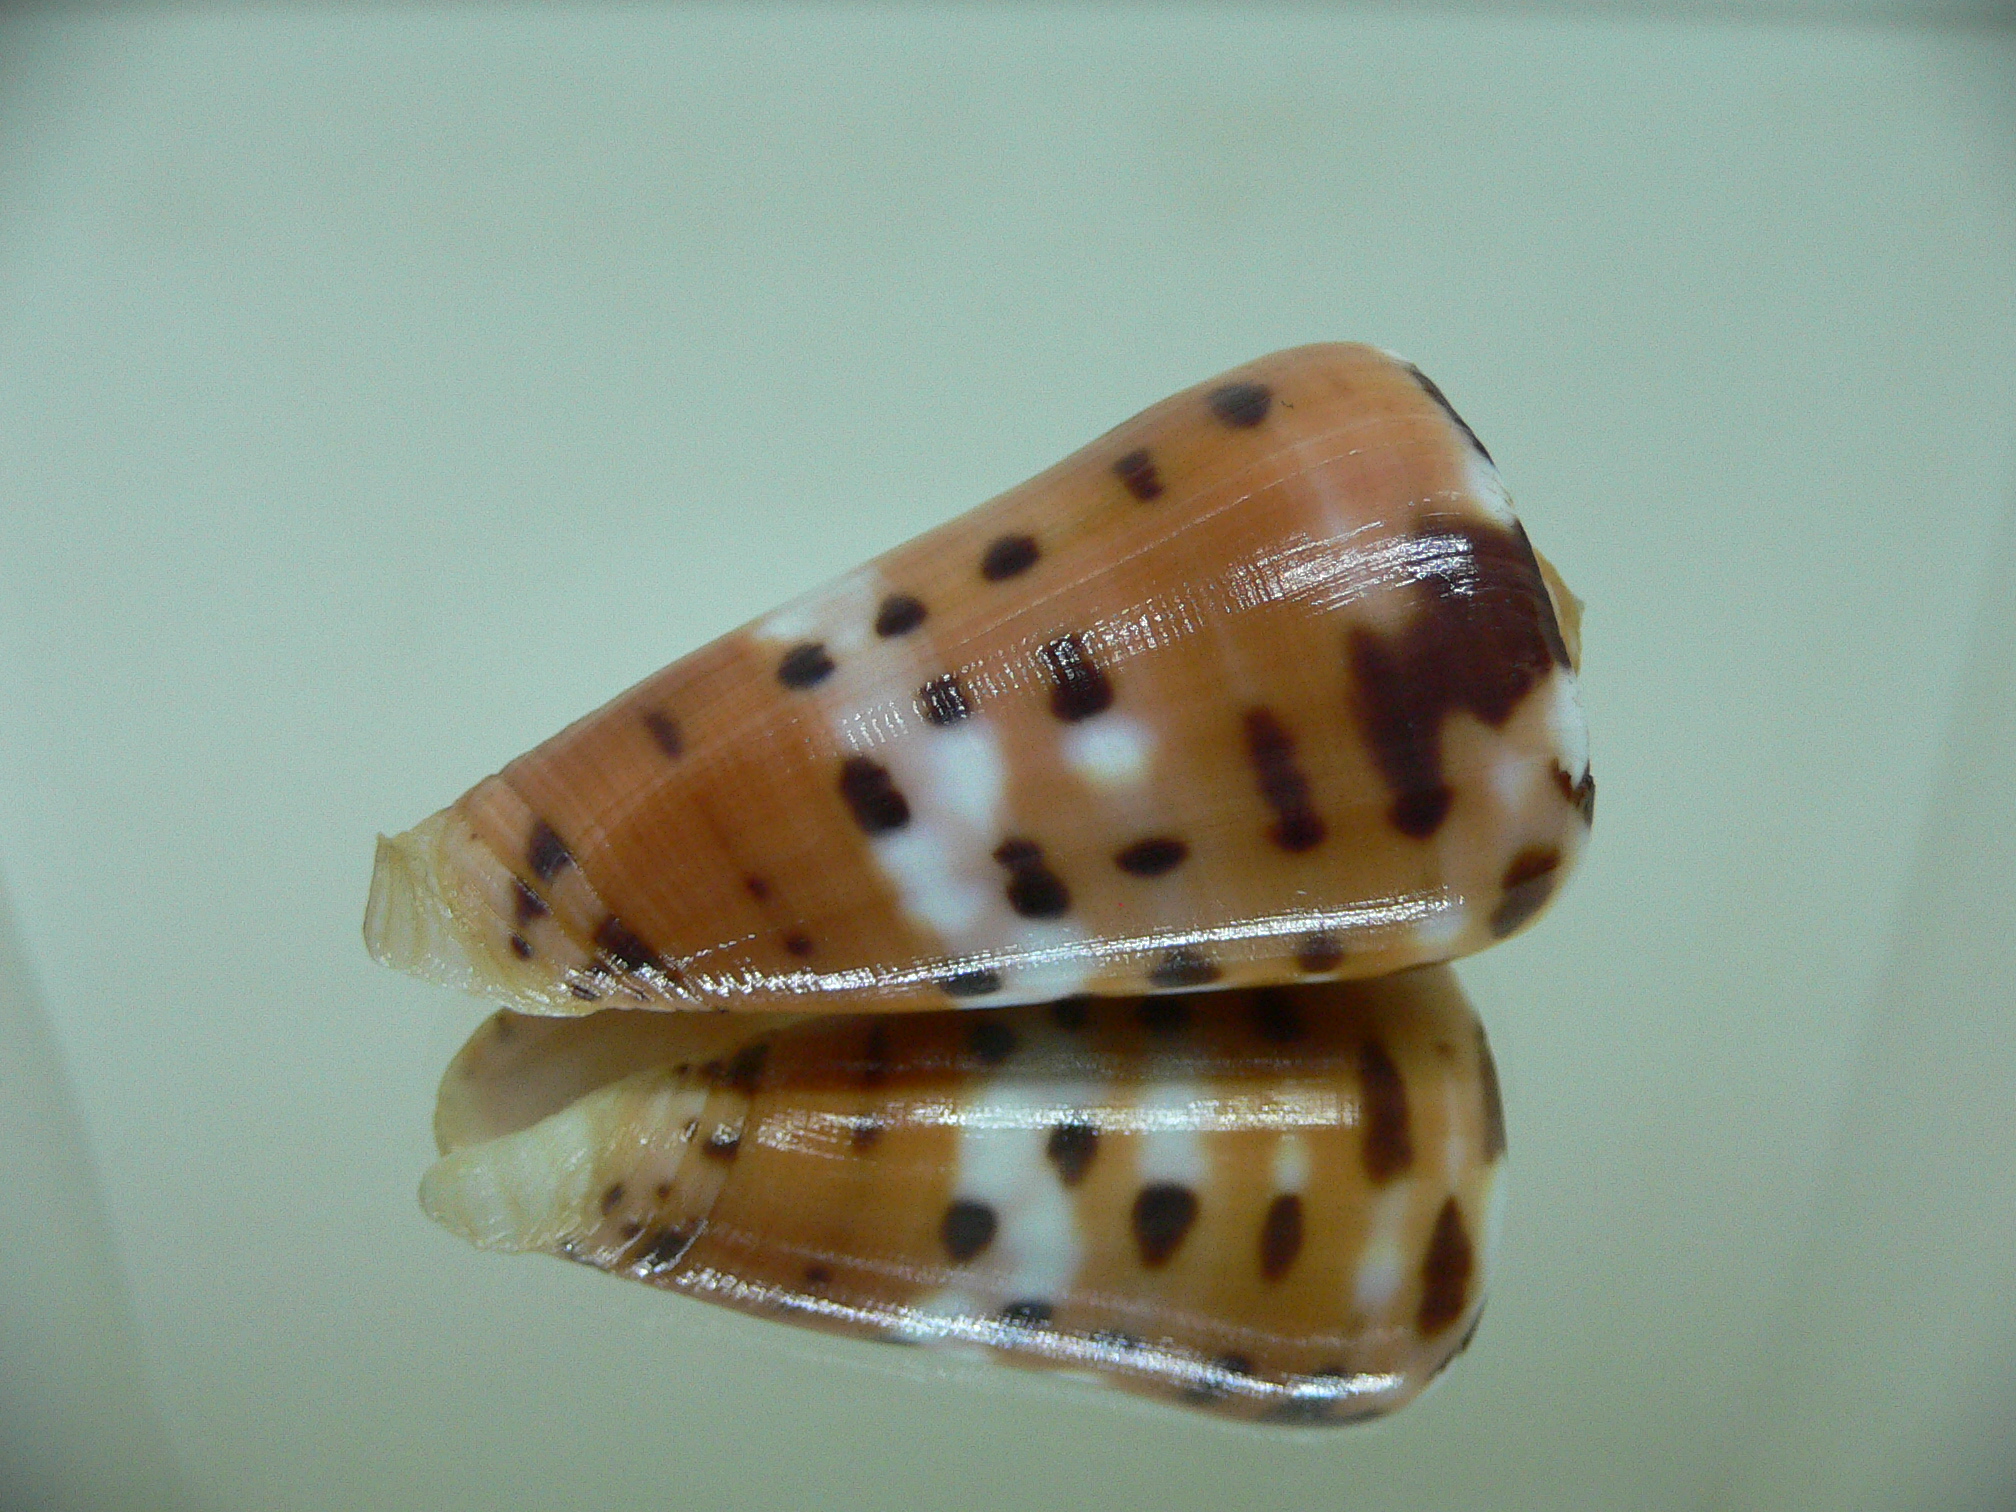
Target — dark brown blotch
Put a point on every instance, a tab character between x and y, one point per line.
1445	1273
722	1145
872	796
745	1071
1388	1143
620	943
805	665
521	947
1320	952
1482	637
665	733
818	1275
1280	1236
1070	1148
991	1042
1137	472
799	945
1162	1216
1153	857
612	1197
1164	1015
1027	1314
1079	689
966	984
664	1248
527	904
1241	405
1008	556
757	888
1275	1018
942	701
866	1133
875	1056
966	1229
1529	883
1034	890
1072	1013
545	852
899	615
1270	747
1184	967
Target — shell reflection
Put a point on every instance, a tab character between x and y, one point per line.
1271	1203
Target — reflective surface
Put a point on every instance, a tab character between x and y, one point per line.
1275	1204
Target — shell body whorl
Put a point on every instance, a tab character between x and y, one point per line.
1265	685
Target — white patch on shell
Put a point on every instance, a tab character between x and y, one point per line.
1482	483
1382	1265
1111	751
1291	1163
1002	1161
1171	1147
1441	929
1567	725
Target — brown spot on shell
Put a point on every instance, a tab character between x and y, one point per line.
620	944
1320	952
665	733
1445	1273
872	796
1387	1143
1275	1017
527	904
965	984
818	1275
991	1042
612	1197
1280	1236
1297	826
521	947
1078	688
1027	1314
545	852
899	615
1154	857
1241	405
1184	967
1162	1216
1137	472
966	1229
1529	883
805	665
1070	1149
799	945
723	1144
664	1249
1034	890
1008	556
867	1130
1073	1012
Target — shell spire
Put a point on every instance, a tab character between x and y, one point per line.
1265	685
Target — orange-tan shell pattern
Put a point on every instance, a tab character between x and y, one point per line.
1266	684
1271	1203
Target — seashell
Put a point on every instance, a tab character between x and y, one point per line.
1280	1208
1265	685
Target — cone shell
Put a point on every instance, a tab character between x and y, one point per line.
1280	1208
1265	685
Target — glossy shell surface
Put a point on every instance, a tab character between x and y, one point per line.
1273	1203
1264	685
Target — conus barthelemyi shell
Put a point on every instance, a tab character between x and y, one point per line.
1265	684
1273	1203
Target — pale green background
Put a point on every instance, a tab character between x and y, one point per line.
380	388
